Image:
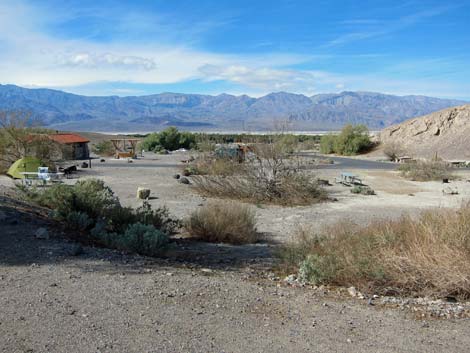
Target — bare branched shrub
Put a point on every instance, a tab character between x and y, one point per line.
20	136
393	150
223	222
267	175
208	164
429	255
426	170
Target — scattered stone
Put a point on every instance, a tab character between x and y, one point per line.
184	180
176	176
143	193
42	233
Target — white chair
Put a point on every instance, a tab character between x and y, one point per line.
43	174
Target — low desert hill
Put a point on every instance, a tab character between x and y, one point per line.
446	133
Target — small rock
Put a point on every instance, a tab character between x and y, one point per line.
102	160
184	180
143	193
177	176
352	291
42	233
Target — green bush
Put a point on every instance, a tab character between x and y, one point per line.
140	238
103	148
352	140
169	139
91	204
79	220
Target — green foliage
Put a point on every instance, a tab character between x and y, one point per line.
103	148
141	238
327	144
352	140
169	139
317	269
79	220
363	190
91	206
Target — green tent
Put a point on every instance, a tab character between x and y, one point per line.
25	164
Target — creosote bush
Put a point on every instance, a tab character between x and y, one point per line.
90	206
426	170
223	222
428	255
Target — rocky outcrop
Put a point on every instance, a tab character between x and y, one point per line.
445	133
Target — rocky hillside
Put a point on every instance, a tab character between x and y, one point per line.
67	111
446	133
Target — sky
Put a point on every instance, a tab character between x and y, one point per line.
238	47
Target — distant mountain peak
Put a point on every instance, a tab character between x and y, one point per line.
67	111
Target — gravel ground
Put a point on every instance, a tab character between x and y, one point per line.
54	298
58	297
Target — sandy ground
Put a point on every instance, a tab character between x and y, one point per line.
395	195
55	300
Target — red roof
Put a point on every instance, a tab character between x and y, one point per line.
68	138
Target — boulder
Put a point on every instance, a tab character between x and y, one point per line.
184	180
143	193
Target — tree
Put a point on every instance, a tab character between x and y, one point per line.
169	139
21	135
352	140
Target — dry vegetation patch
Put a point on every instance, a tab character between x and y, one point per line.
223	222
428	255
426	170
269	175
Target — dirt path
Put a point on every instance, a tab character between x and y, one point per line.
55	299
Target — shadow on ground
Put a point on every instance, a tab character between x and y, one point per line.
20	247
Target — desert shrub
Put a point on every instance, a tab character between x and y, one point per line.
268	176
363	190
223	222
327	144
94	199
351	140
393	150
428	255
79	220
426	170
211	165
169	139
140	238
103	148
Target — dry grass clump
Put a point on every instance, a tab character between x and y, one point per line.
223	222
429	255
210	165
267	176
426	170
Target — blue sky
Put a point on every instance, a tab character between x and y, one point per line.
240	47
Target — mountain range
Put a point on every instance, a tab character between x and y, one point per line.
66	111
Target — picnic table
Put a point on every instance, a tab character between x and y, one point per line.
29	177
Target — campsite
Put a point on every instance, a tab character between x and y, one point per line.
234	176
